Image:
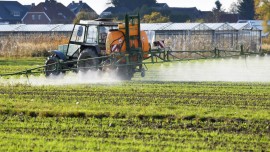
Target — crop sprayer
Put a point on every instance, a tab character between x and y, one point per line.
105	45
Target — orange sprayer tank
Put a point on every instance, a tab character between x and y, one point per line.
115	41
133	29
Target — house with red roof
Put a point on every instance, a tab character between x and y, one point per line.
49	12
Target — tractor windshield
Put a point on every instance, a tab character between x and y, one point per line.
92	34
77	37
78	34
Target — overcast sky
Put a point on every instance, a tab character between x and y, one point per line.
100	5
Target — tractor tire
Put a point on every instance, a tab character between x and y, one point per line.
52	66
83	65
125	73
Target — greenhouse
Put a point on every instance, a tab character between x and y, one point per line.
205	36
24	29
177	36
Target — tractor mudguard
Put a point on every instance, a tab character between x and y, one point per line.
59	54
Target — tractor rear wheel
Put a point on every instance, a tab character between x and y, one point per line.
85	63
52	66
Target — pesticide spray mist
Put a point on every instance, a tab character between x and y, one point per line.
90	77
242	69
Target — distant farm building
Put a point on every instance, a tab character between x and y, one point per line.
177	36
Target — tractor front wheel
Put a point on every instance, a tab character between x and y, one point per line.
52	66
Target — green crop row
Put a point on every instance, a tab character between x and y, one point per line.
134	116
111	134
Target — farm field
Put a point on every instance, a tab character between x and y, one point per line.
134	116
9	65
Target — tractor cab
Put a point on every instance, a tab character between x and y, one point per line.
92	33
